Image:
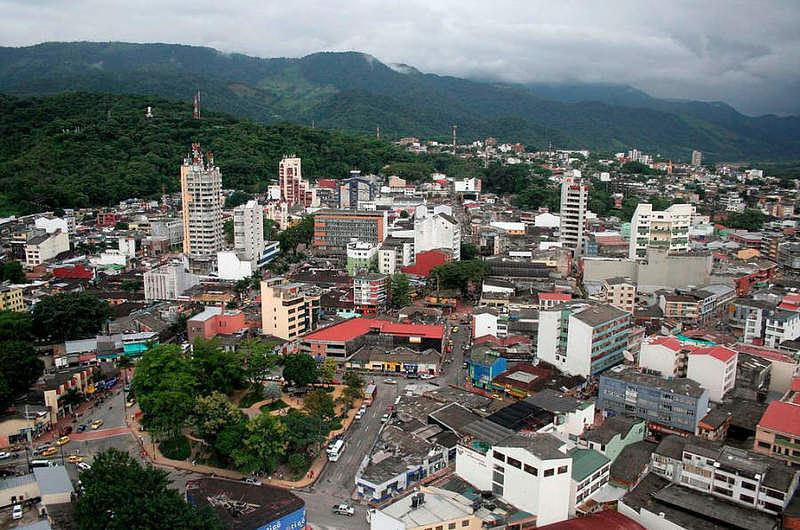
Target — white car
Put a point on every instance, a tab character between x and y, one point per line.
4	455
252	480
385	418
83	466
344	509
390	381
16	512
358	415
427	376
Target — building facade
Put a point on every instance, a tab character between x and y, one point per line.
288	310
574	205
248	232
168	281
666	229
201	203
44	247
370	293
333	229
11	299
438	231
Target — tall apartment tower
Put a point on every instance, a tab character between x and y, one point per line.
201	201
574	204
294	189
697	158
248	232
665	229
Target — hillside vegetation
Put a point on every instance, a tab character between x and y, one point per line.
81	149
356	92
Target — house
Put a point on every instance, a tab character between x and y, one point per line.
778	431
614	434
665	356
213	321
484	364
714	368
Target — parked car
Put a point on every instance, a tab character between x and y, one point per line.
96	424
358	415
63	440
130	403
252	480
16	512
83	466
74	459
427	376
4	455
344	509
50	451
82	427
455	329
385	418
390	381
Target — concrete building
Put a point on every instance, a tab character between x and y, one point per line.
394	254
665	356
781	326
171	229
437	231
168	281
533	473
288	310
333	229
248	232
666	229
45	246
582	338
697	158
11	299
574	206
370	292
668	405
614	435
715	369
294	189
355	191
231	267
213	321
430	508
201	203
619	292
51	224
661	270
361	257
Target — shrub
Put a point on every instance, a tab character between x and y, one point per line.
176	448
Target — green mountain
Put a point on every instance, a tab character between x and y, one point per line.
82	150
356	92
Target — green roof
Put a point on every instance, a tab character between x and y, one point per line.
585	462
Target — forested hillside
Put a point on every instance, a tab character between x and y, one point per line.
82	149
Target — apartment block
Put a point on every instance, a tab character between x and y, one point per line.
333	229
293	188
669	405
248	232
778	431
437	231
781	326
361	257
394	254
619	292
43	247
574	205
370	292
168	281
201	203
288	310
582	338
667	229
11	299
714	368
665	356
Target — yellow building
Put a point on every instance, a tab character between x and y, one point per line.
288	310
11	299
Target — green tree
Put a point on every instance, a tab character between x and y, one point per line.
270	230
258	360
236	198
319	403
20	367
119	494
131	286
300	369
263	445
297	463
216	368
304	433
15	326
637	168
299	234
401	289
327	370
468	251
212	413
537	194
463	275
69	316
12	272
227	231
229	440
750	219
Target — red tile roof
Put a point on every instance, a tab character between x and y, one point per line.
795	384
607	520
764	353
670	342
718	352
355	327
561	297
424	262
782	417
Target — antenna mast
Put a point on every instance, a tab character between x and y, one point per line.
454	138
196	108
378	132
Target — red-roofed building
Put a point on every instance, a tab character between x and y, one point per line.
790	302
782	369
548	300
714	368
605	520
342	339
73	272
778	432
666	356
328	183
426	261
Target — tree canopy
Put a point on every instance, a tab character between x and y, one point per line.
69	316
401	290
300	369
20	367
750	219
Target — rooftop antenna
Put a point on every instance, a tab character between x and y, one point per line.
454	138
196	107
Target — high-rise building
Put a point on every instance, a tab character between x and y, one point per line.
697	158
438	231
370	292
333	229
582	338
665	229
355	190
288	309
201	202
294	190
574	204
248	232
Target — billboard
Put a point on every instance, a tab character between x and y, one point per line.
293	521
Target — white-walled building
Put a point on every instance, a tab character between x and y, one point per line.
665	356
715	369
169	281
533	473
127	246
230	267
574	208
44	247
781	326
51	224
582	338
201	203
395	253
437	231
667	229
547	220
248	231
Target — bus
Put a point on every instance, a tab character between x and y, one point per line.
369	393
335	450
42	463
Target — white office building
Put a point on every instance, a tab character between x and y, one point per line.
665	229
169	281
574	206
438	231
248	231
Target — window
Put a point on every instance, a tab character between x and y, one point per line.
773	507
514	462
498	477
499	456
562	470
746	498
464	523
451	526
765	445
440	527
772	493
532	470
549	472
748	486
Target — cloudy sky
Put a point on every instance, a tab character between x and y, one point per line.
744	53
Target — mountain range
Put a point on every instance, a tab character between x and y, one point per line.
356	92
